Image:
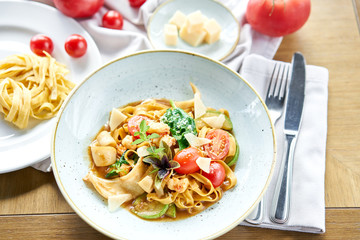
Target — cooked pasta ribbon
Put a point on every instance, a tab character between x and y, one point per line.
32	86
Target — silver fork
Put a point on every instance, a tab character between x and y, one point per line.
274	100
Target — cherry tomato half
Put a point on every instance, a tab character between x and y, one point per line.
76	45
136	3
134	124
216	174
187	160
218	149
113	19
40	43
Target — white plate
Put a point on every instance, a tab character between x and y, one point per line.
19	21
212	9
163	74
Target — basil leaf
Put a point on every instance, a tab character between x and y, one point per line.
180	123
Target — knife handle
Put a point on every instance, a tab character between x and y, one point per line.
281	202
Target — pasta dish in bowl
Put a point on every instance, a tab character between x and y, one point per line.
163	141
167	158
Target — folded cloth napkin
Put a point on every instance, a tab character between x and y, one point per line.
116	43
307	208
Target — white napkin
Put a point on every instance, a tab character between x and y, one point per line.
116	43
307	208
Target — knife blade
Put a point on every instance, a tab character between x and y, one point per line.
279	212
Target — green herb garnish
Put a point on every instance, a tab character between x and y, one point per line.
161	161
143	135
180	123
116	167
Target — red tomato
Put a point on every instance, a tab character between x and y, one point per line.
187	160
220	143
216	174
279	17
136	3
79	8
40	43
112	19
134	123
75	45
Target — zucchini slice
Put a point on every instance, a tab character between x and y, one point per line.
171	212
231	160
148	210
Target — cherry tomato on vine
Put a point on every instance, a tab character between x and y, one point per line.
136	3
216	174
79	8
113	19
134	124
76	45
187	160
40	43
277	17
219	146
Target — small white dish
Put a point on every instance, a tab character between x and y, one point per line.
212	9
163	74
19	21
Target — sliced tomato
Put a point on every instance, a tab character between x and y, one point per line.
218	149
134	124
216	174
187	160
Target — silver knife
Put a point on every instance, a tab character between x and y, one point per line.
279	212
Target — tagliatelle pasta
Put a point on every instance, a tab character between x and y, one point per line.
32	86
145	148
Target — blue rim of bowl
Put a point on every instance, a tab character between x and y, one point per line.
220	4
106	232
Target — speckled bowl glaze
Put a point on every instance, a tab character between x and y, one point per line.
163	74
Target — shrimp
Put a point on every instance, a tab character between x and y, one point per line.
158	127
170	141
178	185
126	142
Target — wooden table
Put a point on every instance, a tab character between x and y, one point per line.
32	207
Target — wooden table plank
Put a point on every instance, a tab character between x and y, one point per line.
29	191
340	224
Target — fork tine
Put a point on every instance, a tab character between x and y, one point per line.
272	83
281	84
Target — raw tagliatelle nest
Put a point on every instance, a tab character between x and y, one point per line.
32	86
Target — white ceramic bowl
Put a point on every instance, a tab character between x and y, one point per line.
163	74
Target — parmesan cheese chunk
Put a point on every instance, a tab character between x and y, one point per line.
204	164
213	30
195	22
170	34
194	38
215	121
147	184
116	118
142	151
114	202
199	106
195	141
178	19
